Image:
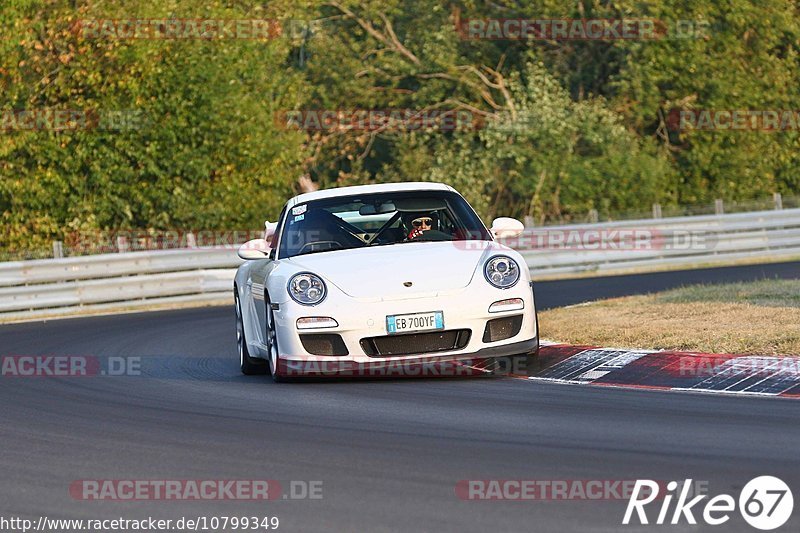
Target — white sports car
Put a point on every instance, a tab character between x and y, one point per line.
357	277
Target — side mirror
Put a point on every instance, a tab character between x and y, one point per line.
255	249
506	228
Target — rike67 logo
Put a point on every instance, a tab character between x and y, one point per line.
765	503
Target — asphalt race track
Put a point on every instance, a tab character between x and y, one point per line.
568	292
389	453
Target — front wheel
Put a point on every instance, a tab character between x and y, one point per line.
276	368
248	365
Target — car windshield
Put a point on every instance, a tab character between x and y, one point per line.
377	220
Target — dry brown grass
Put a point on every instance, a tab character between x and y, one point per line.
760	318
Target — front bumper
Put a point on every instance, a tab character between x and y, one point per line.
500	360
358	319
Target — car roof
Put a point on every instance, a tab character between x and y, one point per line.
369	189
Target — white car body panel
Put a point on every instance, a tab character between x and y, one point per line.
431	267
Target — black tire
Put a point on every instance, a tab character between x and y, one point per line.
276	370
249	365
532	362
525	364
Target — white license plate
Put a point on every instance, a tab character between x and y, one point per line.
430	321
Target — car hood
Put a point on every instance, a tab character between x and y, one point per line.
381	271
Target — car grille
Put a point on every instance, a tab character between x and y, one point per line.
416	343
499	329
324	344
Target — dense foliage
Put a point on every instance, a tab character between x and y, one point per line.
559	126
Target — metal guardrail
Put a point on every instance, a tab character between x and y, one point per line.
115	265
680	241
51	286
132	279
121	289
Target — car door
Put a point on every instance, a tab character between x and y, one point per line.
256	283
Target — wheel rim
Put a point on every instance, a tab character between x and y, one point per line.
239	332
271	340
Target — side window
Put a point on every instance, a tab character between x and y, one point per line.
446	224
274	244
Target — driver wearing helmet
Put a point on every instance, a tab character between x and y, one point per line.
418	224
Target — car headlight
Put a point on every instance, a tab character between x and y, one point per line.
306	288
501	271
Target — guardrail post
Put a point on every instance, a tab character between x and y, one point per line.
778	199
122	244
58	250
656	210
191	240
719	207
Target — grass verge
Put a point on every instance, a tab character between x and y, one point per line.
761	317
